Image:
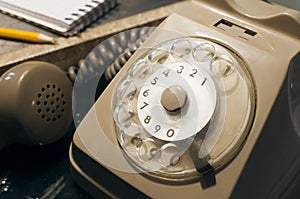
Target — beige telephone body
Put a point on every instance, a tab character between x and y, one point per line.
181	118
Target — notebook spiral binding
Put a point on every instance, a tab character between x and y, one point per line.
88	14
80	19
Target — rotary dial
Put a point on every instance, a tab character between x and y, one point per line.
186	104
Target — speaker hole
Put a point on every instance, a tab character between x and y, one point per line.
48	119
58	89
43	89
57	106
54	119
57	99
48	109
39	95
45	102
53	94
43	116
62	95
53	111
48	96
52	102
53	86
59	116
62	110
48	86
63	102
39	110
38	103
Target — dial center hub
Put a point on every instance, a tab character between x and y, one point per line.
173	98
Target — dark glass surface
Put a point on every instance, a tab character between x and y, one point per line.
38	172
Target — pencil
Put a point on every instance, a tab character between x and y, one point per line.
34	37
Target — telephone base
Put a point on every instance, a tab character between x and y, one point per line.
261	148
97	180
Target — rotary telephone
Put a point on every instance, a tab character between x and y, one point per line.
188	110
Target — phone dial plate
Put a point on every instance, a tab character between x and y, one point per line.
214	92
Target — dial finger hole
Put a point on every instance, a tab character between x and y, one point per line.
158	56
132	134
140	71
181	48
131	138
122	114
136	140
223	66
170	155
127	90
147	150
203	52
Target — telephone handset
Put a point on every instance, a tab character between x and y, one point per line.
35	104
189	104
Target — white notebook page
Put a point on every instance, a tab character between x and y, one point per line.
56	9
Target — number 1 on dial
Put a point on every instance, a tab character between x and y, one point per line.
203	81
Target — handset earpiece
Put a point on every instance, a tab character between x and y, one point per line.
35	104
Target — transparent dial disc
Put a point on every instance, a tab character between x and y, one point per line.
185	101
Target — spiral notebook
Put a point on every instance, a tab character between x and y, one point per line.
67	17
